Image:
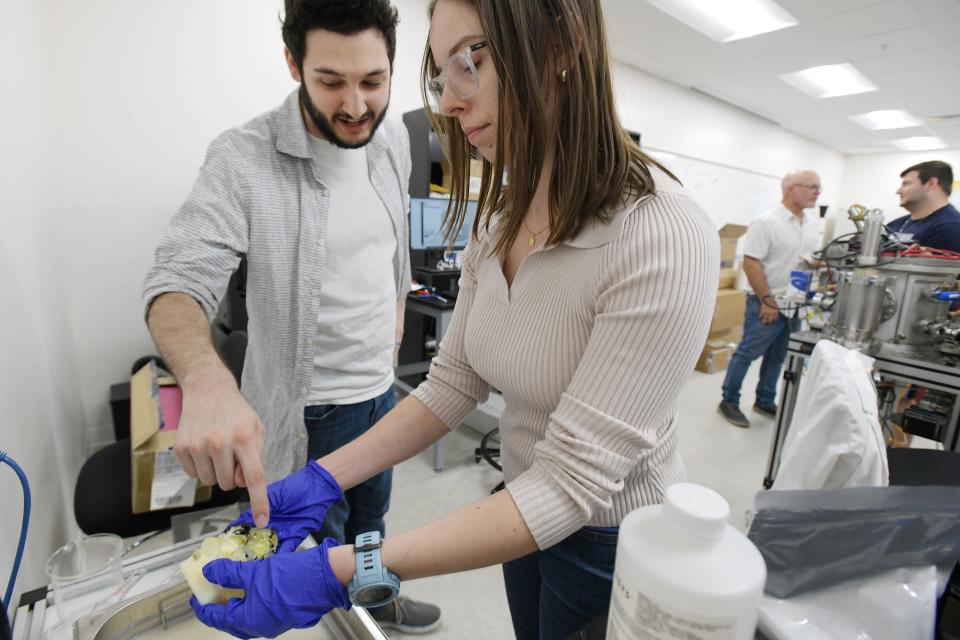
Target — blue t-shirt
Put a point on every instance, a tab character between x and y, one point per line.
939	230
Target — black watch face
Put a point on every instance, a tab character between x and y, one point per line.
370	595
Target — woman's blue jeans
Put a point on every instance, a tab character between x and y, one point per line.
329	427
554	592
759	339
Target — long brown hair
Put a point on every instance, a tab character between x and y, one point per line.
597	165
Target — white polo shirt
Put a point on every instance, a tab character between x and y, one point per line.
777	239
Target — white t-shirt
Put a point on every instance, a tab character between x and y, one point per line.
778	239
356	326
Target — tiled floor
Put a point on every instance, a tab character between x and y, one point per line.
731	461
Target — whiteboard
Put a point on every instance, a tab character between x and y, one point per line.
727	194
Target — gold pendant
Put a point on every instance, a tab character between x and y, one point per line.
531	241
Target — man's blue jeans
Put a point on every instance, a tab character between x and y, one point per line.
329	427
759	339
554	592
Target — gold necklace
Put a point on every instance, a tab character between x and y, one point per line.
533	236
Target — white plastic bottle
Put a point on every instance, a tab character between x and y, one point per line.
682	572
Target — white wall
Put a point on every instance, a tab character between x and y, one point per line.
678	120
41	425
872	180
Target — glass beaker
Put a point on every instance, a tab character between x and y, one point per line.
88	564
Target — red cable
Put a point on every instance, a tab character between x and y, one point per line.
916	251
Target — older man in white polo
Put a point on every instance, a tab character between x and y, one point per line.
772	247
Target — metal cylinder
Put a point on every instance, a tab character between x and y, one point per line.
870	243
859	309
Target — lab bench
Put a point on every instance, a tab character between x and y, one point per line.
156	606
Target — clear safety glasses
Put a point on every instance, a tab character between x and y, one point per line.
459	73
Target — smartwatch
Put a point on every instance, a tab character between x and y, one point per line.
373	585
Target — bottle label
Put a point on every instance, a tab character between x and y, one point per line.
636	616
798	287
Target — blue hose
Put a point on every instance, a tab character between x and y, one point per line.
23	527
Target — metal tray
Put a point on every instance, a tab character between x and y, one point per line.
166	607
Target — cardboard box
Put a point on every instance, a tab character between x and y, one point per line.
731	305
157	479
729	236
728	278
476	173
726	338
714	360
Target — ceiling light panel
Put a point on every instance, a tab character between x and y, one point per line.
830	81
886	119
920	143
728	20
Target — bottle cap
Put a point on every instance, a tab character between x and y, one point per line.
696	510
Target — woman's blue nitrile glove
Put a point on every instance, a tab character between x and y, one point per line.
298	505
282	592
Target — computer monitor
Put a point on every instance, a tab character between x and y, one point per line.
426	224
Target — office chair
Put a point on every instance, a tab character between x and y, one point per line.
102	500
490	454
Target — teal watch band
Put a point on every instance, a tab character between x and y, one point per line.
373	585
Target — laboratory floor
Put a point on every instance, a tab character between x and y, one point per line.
730	460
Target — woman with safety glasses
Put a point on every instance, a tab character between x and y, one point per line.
584	298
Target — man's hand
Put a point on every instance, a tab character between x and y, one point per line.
769	311
219	441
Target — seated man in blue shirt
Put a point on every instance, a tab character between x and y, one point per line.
933	222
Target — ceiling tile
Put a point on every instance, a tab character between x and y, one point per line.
787	50
937	10
932	103
948	131
844	106
879	19
885	44
929	80
953	51
945	30
767	95
807	10
902	62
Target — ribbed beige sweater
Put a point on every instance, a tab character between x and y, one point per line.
590	348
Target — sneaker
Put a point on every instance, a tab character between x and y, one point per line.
732	414
766	409
407	616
